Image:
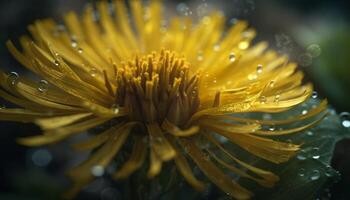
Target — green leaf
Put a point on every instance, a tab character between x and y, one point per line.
304	176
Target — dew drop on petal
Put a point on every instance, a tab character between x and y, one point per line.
262	99
217	47
115	108
43	86
259	69
93	72
200	56
12	78
80	50
232	57
277	98
97	170
345	119
74	42
314	95
304	112
56	63
252	77
315	175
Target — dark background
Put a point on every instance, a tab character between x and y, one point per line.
302	23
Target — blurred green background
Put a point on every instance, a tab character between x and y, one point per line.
314	33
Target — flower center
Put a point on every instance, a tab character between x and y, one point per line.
158	86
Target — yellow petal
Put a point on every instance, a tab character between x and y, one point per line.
59	134
135	160
185	168
176	131
155	164
161	145
96	140
56	122
269	178
219	178
265	148
103	156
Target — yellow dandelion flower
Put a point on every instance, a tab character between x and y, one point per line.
160	88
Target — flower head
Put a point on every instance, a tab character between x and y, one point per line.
160	88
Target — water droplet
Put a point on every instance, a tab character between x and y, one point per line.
309	133
115	108
194	93
74	42
57	63
259	69
262	99
314	50
345	119
41	157
232	57
272	128
80	50
304	112
302	155
252	77
315	175
272	84
301	172
93	72
329	171
277	98
305	59
315	153
314	95
12	78
200	56
97	170
43	86
217	47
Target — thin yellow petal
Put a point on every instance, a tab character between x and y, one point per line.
135	161
219	178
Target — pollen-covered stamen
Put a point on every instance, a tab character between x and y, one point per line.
158	86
